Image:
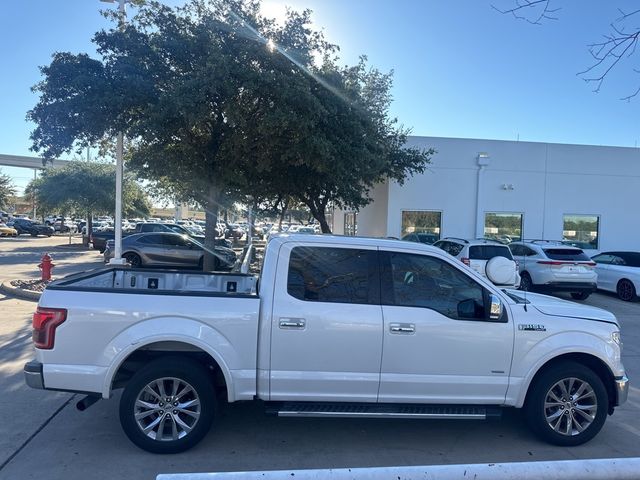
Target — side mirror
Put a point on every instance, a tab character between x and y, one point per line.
495	307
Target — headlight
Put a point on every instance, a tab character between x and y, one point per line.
615	336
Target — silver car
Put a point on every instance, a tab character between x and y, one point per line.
169	250
551	266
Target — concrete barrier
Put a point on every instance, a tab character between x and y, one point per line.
602	469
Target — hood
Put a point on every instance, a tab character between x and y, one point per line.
564	308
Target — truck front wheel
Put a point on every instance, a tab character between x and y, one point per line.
168	406
567	405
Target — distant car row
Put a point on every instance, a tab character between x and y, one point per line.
22	226
548	266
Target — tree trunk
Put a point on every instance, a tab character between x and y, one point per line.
318	212
285	207
211	221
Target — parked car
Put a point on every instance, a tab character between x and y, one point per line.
551	266
65	225
619	272
490	258
6	231
170	250
340	326
421	237
32	228
234	231
99	239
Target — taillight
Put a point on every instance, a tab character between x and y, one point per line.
590	264
551	262
466	261
45	322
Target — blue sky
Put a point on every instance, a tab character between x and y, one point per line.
461	68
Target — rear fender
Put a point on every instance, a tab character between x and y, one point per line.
170	329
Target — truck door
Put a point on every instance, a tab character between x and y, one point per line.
326	332
439	344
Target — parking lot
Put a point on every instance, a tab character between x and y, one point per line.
44	436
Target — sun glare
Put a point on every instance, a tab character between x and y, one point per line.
275	10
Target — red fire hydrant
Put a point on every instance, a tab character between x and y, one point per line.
45	266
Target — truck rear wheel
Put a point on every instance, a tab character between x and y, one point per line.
168	406
567	405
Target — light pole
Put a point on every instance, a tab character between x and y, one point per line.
117	258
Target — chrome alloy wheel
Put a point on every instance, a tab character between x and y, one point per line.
167	409
570	406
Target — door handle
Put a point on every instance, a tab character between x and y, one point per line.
406	328
292	323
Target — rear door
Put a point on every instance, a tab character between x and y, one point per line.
152	246
606	276
326	332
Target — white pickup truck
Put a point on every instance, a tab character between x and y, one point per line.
333	327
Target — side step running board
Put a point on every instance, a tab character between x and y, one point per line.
377	410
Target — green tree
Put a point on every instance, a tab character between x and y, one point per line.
331	138
7	190
198	91
87	188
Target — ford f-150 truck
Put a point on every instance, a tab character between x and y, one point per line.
333	327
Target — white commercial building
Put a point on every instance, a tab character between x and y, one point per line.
509	190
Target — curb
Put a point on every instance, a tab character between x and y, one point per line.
7	288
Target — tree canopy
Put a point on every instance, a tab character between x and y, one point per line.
219	101
7	189
87	188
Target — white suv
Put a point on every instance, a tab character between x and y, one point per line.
552	266
491	259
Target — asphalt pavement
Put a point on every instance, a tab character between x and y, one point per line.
43	435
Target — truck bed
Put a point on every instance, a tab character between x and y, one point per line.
166	282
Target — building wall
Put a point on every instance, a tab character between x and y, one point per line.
543	181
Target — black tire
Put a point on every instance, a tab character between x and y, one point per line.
525	282
626	290
167	370
132	259
580	295
545	387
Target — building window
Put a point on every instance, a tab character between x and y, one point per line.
504	227
351	224
581	231
421	221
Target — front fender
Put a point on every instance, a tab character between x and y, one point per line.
540	353
176	329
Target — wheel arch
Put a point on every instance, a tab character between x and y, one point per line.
597	365
164	348
133	347
635	284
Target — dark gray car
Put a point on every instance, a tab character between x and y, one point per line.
168	250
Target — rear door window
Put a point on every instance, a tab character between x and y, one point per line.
566	254
334	275
487	252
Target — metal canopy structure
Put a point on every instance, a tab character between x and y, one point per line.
28	162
